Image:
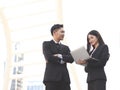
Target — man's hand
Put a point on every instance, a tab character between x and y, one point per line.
58	55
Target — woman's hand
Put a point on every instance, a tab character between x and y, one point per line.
81	62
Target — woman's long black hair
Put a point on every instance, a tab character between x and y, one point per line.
97	34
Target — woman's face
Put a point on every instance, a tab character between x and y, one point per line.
93	40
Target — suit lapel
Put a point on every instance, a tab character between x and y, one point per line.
56	48
97	51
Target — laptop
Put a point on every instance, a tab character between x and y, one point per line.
80	53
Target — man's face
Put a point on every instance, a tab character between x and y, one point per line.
59	34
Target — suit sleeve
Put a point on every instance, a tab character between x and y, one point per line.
48	54
102	60
67	57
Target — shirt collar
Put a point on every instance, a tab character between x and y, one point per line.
56	42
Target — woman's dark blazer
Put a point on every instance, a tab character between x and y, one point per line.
95	69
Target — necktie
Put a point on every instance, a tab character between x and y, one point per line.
58	47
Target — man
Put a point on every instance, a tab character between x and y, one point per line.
57	56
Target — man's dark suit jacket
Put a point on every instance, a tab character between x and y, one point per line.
95	69
54	70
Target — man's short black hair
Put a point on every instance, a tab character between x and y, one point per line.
56	26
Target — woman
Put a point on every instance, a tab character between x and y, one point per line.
99	53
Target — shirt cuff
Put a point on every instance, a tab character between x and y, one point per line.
61	61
